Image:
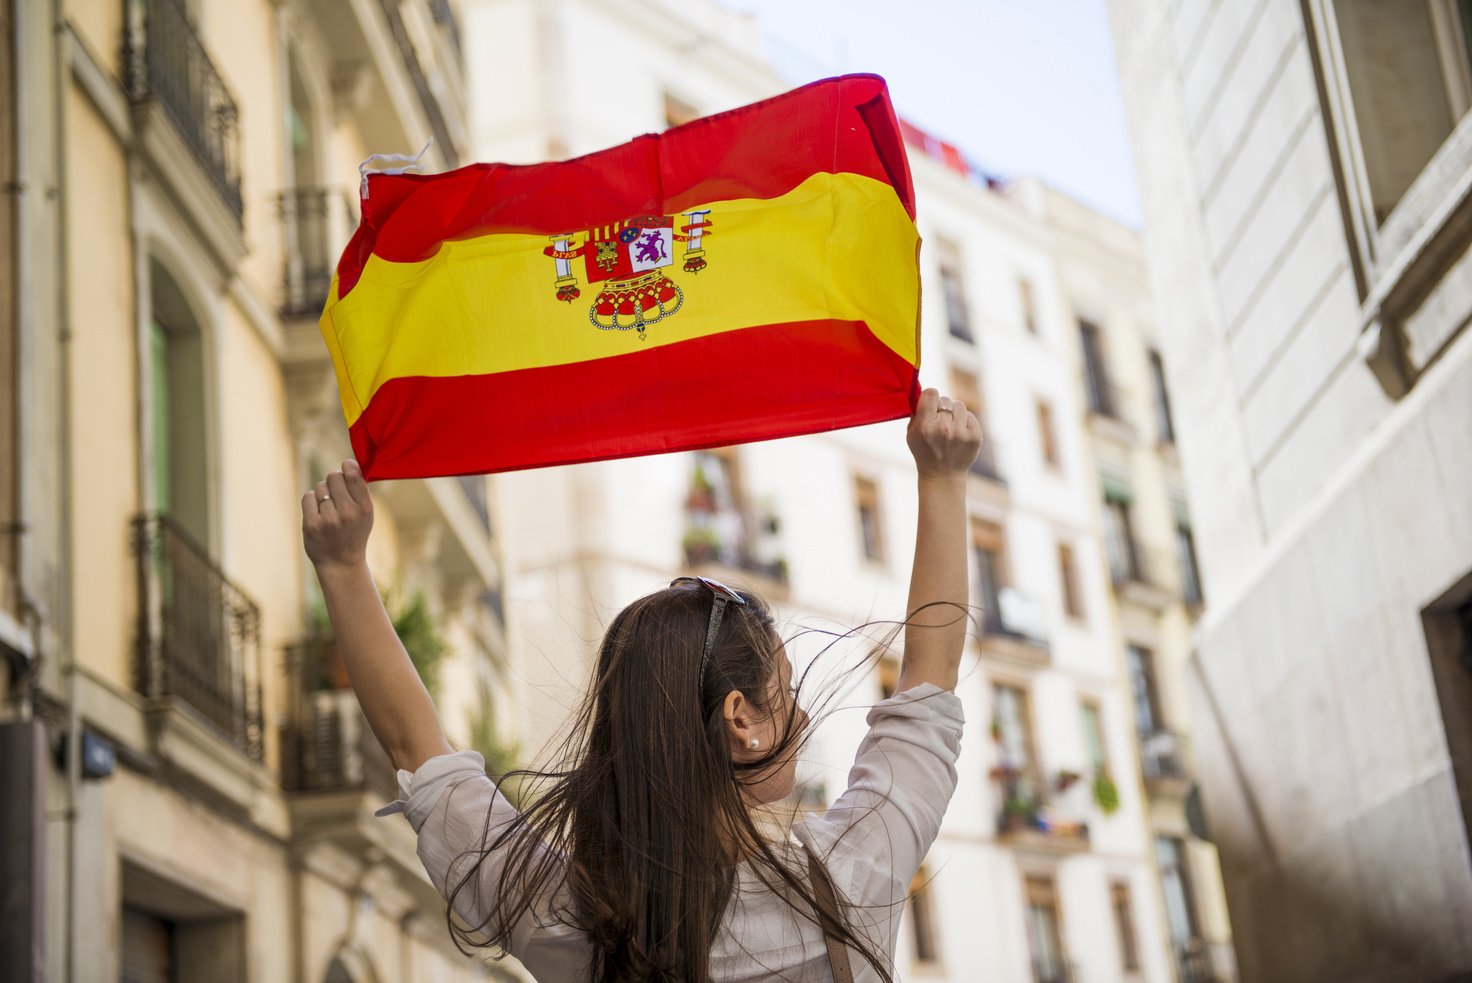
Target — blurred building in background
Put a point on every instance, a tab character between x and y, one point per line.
1066	854
1305	170
189	785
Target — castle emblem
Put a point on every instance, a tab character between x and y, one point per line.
629	262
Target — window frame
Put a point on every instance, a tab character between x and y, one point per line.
1418	242
867	497
950	268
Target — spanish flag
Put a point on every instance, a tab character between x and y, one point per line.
746	276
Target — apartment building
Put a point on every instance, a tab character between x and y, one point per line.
1149	546
1305	171
1045	869
189	786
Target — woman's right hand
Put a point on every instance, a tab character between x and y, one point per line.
337	517
944	436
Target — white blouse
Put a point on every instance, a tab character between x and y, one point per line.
872	840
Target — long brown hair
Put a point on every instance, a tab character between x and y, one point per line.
635	841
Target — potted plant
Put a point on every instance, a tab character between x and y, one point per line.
1066	779
1106	793
701	544
702	496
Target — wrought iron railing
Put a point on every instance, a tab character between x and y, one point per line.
1162	755
1053	971
314	225
1194	963
326	743
199	636
165	62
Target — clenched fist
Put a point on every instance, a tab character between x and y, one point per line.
337	517
944	436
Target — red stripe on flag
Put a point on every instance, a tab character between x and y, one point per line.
750	384
841	125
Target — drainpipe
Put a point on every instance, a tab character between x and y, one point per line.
64	564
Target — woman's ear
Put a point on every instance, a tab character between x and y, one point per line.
740	719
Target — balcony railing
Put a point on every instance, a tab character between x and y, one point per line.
1017	616
326	744
1194	963
1053	971
315	224
1163	756
165	62
199	636
1140	566
1029	819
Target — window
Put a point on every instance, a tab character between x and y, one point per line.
1044	933
966	388
1096	373
1073	604
1093	735
177	408
1029	305
678	112
1180	913
1119	536
1406	65
1142	689
871	534
1190	574
889	677
922	919
169	933
1164	427
986	544
715	529
1012	726
1447	622
1124	924
953	288
1047	434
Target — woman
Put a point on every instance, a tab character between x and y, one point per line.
641	860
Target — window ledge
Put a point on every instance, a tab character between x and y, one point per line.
1420	284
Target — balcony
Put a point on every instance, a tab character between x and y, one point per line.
1163	764
727	540
326	744
166	65
1199	961
1028	821
315	224
1141	575
1053	971
199	638
1014	628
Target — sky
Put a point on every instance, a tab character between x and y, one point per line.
1023	87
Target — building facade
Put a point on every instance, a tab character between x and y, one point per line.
1149	546
189	782
1304	169
1046	867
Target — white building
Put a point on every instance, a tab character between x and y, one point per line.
1029	881
1305	169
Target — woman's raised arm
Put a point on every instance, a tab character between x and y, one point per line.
944	437
336	519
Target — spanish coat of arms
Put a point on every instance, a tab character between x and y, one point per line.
628	261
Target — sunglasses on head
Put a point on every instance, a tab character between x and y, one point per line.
721	595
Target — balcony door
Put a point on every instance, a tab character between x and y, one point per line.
1044	932
986	545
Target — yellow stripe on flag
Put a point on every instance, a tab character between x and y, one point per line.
837	246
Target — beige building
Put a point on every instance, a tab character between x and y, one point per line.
1305	171
1149	547
189	786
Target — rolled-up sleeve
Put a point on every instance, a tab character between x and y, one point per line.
902	780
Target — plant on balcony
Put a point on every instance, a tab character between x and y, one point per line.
502	757
1106	793
1066	779
412	623
701	545
416	630
702	496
